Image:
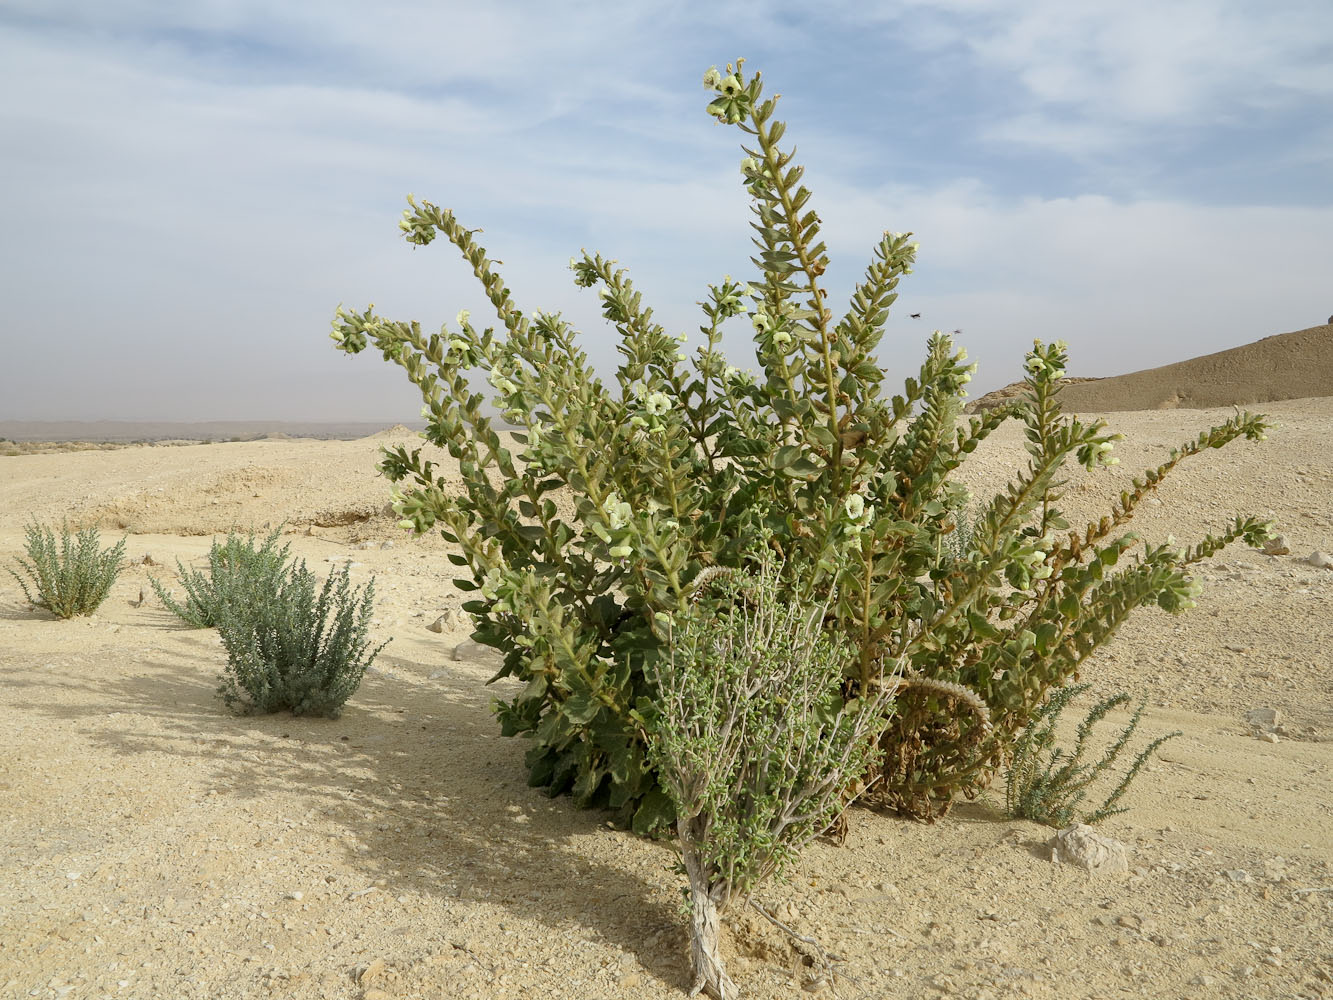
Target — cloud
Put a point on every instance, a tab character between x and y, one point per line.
192	188
1130	284
1112	72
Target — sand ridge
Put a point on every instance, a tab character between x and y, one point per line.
1292	365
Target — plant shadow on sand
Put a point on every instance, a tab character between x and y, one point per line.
432	799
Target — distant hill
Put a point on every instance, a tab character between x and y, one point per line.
209	430
1293	365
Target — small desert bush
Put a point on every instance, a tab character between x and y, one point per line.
680	462
1047	784
292	645
237	569
71	577
754	741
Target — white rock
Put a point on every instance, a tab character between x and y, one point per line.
1320	559
1084	847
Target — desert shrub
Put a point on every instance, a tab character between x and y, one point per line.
1047	784
236	570
289	647
754	742
682	463
71	577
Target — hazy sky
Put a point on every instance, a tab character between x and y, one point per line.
189	188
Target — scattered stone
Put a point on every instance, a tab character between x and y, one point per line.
1084	847
1262	718
1277	546
1321	560
386	545
298	895
1239	875
1270	737
367	973
446	620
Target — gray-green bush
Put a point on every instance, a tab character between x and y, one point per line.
754	742
71	577
236	570
682	462
1048	784
290	646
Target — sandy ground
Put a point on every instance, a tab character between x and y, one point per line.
152	845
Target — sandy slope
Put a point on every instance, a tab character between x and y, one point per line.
1292	365
151	845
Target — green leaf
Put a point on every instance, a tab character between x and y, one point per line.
654	815
803	468
580	709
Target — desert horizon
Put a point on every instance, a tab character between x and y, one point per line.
151	431
1278	366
